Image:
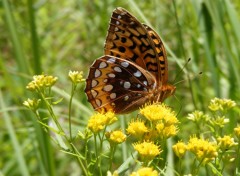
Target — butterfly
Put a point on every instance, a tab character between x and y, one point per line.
133	70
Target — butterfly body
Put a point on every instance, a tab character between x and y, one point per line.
133	70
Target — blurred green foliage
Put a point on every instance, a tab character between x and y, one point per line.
54	37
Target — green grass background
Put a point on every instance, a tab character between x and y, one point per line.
56	36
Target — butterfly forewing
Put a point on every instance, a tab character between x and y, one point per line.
128	38
117	84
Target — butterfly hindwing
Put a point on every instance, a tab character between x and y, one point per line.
118	84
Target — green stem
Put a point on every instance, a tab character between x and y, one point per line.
68	142
79	159
198	167
112	151
95	143
237	170
193	166
180	166
50	110
69	110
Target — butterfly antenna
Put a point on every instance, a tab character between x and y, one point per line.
195	76
180	71
180	105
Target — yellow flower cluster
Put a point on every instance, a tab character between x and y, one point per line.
221	104
198	116
116	137
75	76
32	104
145	171
225	142
180	149
156	112
99	121
203	149
163	120
137	128
237	132
41	81
147	150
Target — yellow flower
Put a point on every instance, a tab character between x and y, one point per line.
147	150
164	131
115	173
221	104
110	118
116	137
41	81
197	116
75	76
151	135
180	149
237	132
32	104
219	121
204	150
145	171
137	128
225	142
99	121
155	112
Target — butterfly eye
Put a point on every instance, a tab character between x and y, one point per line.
133	70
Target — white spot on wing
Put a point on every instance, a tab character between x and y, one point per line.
126	98
138	85
111	75
97	73
94	93
117	69
108	87
103	65
117	22
116	29
113	95
98	102
127	85
111	60
94	83
145	82
137	73
119	17
125	64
